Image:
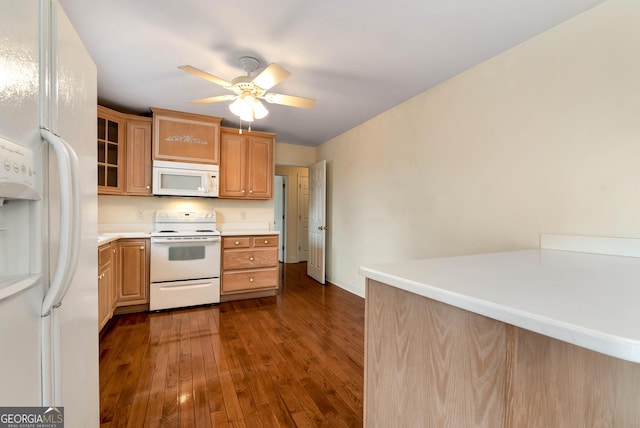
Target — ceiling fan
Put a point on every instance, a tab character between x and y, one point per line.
249	91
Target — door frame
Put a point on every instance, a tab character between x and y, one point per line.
282	241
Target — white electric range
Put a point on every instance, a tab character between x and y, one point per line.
185	260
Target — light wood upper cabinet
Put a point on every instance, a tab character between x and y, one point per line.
185	137
124	153
111	136
138	156
233	165
133	270
246	164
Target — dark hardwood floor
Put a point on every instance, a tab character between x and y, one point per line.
295	359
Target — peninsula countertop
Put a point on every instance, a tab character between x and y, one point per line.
589	300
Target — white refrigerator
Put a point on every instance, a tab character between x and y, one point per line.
48	214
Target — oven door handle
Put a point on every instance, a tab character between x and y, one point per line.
184	241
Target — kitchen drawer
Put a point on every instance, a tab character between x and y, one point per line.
251	258
236	242
242	281
265	241
105	254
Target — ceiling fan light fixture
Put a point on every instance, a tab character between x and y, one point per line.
249	90
247	117
239	107
259	110
248	108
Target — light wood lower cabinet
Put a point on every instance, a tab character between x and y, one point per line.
249	264
106	283
123	277
133	275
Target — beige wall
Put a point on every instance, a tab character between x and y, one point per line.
542	138
290	154
131	213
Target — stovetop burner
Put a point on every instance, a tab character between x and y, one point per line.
185	223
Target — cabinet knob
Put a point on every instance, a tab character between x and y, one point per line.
266	241
250	191
237	242
142	248
251	258
250	279
242	190
114	251
148	187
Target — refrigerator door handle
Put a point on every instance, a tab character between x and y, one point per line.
69	239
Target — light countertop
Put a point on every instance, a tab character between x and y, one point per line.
105	238
589	300
238	232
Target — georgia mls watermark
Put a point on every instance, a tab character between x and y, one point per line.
31	417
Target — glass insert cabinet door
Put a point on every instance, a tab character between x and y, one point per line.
110	152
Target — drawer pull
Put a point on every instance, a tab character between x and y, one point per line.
237	242
251	258
250	279
266	241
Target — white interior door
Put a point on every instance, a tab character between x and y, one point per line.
317	220
303	218
279	210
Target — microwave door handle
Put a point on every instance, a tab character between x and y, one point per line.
209	183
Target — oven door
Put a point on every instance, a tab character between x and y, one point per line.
174	259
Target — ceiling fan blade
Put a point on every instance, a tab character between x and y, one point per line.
214	99
205	75
271	76
289	100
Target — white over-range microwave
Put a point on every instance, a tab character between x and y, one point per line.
185	179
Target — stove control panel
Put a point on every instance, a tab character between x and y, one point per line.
175	216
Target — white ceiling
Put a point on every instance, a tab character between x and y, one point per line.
358	58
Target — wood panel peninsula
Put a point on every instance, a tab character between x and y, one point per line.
535	338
